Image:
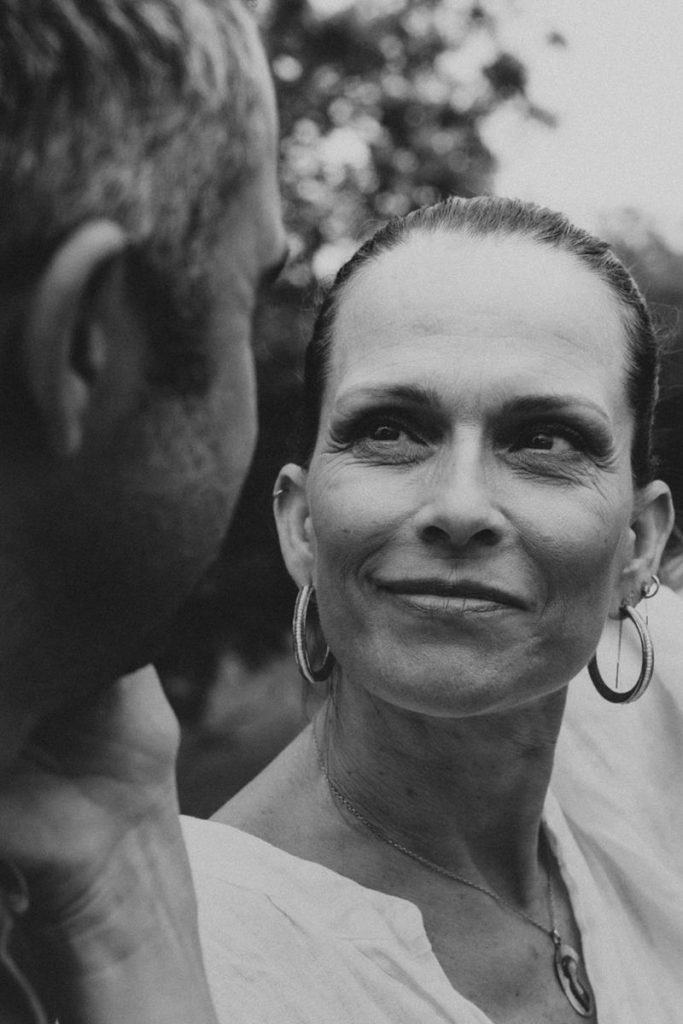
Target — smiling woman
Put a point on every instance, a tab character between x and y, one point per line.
476	387
473	499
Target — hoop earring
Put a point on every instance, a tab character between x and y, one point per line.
649	590
303	663
648	654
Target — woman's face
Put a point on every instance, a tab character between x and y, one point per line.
470	496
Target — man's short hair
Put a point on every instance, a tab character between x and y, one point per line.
140	111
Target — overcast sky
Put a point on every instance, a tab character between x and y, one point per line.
617	90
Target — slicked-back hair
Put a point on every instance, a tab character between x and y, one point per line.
495	216
140	111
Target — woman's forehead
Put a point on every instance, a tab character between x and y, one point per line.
479	319
445	284
507	274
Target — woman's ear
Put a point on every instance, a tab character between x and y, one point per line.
650	528
64	348
293	520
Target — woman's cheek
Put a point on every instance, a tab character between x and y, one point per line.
582	549
354	504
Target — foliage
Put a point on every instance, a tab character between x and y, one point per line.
381	106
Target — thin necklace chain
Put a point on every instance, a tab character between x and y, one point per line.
339	795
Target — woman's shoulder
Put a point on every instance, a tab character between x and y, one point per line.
285	939
260	887
253	883
224	857
276	799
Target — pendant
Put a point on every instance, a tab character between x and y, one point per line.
567	966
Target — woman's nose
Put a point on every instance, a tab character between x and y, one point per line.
459	506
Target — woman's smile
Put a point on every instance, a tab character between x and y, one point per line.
438	597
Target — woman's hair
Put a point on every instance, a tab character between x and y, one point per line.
488	215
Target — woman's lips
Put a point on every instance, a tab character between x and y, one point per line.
448	596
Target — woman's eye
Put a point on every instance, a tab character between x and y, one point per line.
383	438
385	432
556	440
548	443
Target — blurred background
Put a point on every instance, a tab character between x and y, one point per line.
386	105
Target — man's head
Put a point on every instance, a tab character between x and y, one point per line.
139	215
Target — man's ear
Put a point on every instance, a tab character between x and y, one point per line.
64	348
650	529
292	516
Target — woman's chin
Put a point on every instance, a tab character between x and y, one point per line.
437	681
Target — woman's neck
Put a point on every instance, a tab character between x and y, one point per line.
466	793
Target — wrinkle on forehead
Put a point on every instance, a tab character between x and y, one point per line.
468	289
500	264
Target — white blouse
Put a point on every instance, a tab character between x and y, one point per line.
287	941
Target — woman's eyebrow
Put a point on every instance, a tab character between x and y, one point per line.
419	396
403	394
547	404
